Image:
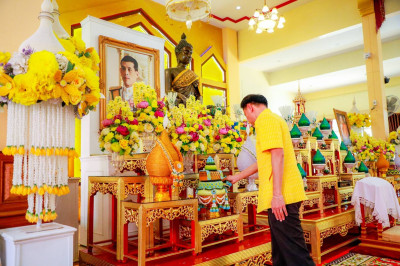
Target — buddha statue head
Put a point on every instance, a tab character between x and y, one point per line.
183	51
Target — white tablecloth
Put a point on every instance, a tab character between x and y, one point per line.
379	195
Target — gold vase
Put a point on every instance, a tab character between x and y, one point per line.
162	184
148	140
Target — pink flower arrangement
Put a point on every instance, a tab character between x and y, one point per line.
180	130
194	136
134	122
223	131
207	122
124	131
107	122
143	104
159	113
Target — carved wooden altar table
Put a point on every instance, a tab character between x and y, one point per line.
240	201
119	187
145	213
316	230
219	226
320	183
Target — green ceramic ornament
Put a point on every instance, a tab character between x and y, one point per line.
295	132
317	133
349	158
334	136
304	122
343	147
318	158
363	168
325	125
302	172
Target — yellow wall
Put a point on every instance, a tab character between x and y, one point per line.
253	81
306	22
342	98
156	11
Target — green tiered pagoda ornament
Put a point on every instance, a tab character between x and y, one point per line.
295	134
343	147
334	136
349	162
325	127
304	121
319	162
363	168
317	133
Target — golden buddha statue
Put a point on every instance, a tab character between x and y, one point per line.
180	79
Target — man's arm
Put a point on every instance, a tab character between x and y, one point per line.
278	202
252	169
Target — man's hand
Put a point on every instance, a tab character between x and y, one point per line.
278	207
232	178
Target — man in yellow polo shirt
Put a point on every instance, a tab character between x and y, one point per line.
281	188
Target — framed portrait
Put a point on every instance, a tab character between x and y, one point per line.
343	125
122	64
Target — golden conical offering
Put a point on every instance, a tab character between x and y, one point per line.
163	161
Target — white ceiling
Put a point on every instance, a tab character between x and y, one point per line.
334	43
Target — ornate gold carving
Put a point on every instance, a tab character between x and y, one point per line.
307	236
249	200
133	164
232	203
169	213
104	188
261	259
131	216
242	182
201	164
329	184
134	189
218	228
328	197
311	202
346	196
187	183
225	164
312	185
341	229
185	232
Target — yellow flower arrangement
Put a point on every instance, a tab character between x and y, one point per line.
369	148
359	120
190	126
150	112
29	77
120	129
226	136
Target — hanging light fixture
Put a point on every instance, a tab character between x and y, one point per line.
265	19
188	10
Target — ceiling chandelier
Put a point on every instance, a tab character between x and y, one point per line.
188	10
265	19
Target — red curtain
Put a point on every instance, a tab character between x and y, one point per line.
379	6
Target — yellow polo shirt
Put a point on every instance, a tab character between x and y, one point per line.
273	132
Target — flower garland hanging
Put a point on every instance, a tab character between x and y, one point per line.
44	93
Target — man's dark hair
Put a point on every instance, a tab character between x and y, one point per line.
128	58
255	99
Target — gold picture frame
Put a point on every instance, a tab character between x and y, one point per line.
343	125
111	51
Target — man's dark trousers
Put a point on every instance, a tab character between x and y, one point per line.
287	239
